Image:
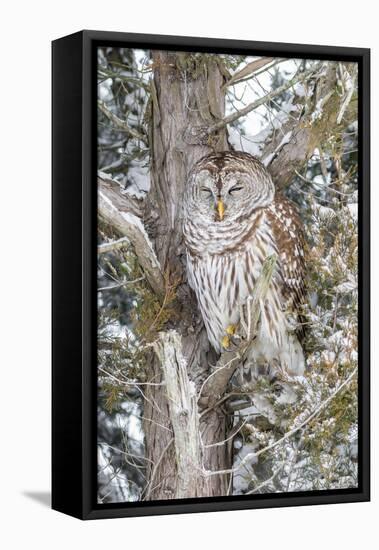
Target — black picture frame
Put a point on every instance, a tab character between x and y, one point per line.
74	275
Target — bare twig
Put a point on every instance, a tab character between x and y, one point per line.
326	186
121	124
255	104
113	245
129	382
232	435
124	201
303	134
121	284
149	488
348	95
249	69
267	481
290	433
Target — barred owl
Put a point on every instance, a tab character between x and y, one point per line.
234	220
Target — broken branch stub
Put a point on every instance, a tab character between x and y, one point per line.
119	212
182	401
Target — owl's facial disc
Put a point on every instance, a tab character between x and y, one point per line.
226	191
220	195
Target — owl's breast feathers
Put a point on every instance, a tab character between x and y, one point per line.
223	270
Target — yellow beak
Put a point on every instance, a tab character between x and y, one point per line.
220	209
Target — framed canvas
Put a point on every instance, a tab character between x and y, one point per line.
210	275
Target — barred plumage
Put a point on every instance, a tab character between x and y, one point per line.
232	222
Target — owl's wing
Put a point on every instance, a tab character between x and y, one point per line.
288	233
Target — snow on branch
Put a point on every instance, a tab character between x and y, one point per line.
262	100
283	156
121	124
122	199
252	456
120	212
215	385
349	84
113	245
181	393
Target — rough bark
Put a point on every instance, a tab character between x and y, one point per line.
184	103
121	212
283	157
184	416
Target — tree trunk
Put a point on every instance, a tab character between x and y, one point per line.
283	157
186	98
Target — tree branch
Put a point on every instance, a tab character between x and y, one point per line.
121	124
119	211
255	104
250	456
123	200
284	155
112	245
248	70
184	415
349	94
121	284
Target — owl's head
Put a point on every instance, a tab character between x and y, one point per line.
228	186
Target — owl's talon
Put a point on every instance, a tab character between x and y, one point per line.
231	330
230	337
225	342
